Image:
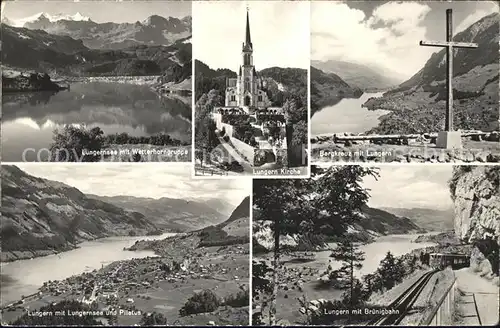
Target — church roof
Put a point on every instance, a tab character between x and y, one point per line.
248	39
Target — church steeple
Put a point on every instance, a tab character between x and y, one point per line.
247	45
248	40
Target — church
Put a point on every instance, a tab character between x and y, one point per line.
248	110
245	91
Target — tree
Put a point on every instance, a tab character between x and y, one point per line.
285	205
261	285
325	204
391	271
205	301
136	157
153	319
352	259
299	134
69	144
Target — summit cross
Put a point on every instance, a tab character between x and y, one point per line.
449	44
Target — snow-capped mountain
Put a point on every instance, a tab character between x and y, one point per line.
154	30
44	17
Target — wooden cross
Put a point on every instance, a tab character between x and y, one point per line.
449	44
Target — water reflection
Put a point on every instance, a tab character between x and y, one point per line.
30	118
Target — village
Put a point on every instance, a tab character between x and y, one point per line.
125	291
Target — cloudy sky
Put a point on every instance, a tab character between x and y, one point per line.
387	33
279	31
155	180
411	186
98	11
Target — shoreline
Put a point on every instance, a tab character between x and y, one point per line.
77	246
72	247
148	281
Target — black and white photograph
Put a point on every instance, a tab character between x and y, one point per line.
96	81
405	81
409	245
85	244
251	88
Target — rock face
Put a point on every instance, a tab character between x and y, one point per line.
475	190
476	193
42	217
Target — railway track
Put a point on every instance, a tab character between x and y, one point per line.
403	303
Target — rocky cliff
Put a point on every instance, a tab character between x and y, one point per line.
476	193
42	217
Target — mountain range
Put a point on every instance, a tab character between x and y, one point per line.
42	217
429	219
234	231
327	89
418	104
172	214
154	30
143	48
360	76
374	222
63	55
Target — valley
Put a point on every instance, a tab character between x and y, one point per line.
177	247
404	119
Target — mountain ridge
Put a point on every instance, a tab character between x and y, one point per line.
66	56
42	217
175	215
154	30
328	89
418	104
374	222
429	219
359	75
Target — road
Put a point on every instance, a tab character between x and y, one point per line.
486	296
247	168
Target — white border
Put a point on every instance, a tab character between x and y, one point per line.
193	98
250	255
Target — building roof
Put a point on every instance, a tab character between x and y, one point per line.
449	254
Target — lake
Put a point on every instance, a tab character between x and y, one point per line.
29	119
375	252
24	277
346	116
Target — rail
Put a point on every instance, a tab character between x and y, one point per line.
403	303
442	314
